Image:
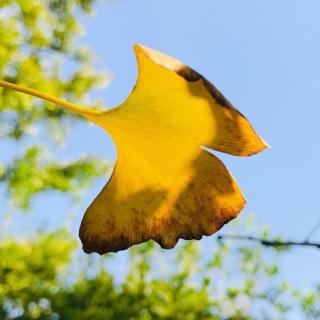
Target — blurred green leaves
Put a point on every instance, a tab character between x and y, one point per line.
37	171
37	41
43	278
29	272
38	48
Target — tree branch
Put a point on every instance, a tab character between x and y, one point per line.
271	243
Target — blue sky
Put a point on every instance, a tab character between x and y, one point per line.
264	57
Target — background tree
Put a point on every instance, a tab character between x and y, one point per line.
45	276
37	48
43	279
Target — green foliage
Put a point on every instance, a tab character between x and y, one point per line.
43	278
37	43
37	171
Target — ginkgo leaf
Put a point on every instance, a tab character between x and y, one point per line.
165	185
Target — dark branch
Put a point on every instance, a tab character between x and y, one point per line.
271	243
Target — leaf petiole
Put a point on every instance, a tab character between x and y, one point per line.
89	114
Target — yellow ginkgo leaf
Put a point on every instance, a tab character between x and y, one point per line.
165	185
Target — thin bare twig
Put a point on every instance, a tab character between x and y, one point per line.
313	230
271	243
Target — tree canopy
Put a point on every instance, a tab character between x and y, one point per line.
37	46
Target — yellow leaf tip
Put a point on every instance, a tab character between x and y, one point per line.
267	145
137	47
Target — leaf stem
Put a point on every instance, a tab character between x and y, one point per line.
90	114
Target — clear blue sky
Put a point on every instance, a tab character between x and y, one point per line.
264	56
